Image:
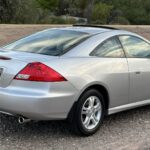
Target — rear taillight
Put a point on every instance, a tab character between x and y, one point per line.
37	71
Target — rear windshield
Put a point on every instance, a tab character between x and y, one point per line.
54	42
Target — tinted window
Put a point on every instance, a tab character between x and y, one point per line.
109	48
135	47
50	42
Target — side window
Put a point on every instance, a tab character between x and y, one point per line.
135	47
109	48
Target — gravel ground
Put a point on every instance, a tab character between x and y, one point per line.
128	130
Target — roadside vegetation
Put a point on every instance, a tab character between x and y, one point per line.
75	11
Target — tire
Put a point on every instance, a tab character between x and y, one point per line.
87	118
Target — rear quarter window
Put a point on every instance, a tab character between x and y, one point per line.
109	48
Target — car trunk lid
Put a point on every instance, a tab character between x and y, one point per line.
11	62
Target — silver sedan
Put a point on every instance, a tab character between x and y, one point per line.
79	73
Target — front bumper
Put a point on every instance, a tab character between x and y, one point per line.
39	101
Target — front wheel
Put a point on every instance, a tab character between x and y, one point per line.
89	112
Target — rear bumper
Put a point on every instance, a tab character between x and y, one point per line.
50	101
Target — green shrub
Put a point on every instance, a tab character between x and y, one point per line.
57	20
120	20
101	12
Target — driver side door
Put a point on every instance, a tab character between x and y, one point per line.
138	56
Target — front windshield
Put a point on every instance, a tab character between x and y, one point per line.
52	42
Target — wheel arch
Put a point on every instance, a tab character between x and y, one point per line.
99	87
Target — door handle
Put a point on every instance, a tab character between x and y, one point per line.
138	72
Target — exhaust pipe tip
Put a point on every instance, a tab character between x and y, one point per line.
22	120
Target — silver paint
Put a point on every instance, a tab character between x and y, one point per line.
50	101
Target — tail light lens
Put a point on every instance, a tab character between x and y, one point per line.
37	71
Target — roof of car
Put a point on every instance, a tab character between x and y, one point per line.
91	29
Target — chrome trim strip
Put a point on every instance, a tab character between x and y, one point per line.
128	106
